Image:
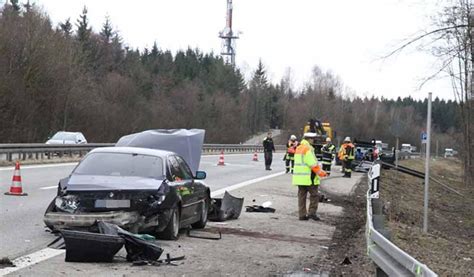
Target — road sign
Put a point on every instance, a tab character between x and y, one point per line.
424	137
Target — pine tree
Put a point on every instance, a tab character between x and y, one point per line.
107	32
16	7
66	27
83	29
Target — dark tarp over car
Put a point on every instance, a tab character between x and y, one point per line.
186	143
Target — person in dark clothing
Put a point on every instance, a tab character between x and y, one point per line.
268	149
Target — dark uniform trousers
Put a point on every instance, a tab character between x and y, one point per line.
313	200
268	155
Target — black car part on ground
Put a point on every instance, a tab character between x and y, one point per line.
101	247
228	207
90	247
137	248
259	209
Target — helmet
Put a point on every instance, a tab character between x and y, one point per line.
293	137
328	139
348	139
310	135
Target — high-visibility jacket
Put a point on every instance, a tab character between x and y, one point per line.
346	152
291	146
329	151
305	163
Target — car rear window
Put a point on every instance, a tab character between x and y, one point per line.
64	136
121	164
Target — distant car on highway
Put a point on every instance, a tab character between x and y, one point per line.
448	152
139	189
64	137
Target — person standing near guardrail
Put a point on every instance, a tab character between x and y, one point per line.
346	155
306	176
268	149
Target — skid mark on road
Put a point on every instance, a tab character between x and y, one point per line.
262	235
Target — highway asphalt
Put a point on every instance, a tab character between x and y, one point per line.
22	229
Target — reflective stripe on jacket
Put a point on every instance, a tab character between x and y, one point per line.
328	153
346	152
305	161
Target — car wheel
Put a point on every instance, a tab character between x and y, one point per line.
171	232
203	219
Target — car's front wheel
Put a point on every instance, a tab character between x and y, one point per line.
171	232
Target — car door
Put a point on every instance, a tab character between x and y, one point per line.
183	185
196	189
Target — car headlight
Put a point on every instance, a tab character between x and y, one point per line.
68	203
59	201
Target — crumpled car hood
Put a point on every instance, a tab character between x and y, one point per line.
92	182
186	143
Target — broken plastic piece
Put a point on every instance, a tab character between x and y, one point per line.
138	249
90	247
226	208
267	204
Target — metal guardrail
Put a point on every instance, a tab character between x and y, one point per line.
386	255
24	151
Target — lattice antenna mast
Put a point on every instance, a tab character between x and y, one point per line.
228	38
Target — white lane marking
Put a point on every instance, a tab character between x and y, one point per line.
246	183
38	166
48	253
31	259
50	187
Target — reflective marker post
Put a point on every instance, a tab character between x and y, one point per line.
427	165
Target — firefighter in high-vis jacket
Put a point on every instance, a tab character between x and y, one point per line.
346	155
329	152
305	164
290	153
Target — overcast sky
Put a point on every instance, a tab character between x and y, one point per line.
346	37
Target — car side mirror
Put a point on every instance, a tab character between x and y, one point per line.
200	175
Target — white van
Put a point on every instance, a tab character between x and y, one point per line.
448	152
406	147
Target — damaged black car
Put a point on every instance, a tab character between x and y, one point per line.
139	189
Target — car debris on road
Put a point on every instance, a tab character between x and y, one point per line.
226	208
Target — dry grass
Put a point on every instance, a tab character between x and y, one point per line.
447	248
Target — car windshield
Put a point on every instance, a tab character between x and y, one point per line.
121	164
64	136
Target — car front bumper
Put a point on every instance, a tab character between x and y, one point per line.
62	220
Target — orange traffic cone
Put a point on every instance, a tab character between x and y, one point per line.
221	159
255	156
16	188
